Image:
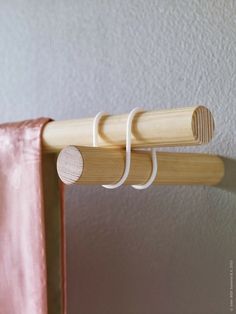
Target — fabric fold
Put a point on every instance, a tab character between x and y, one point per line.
25	223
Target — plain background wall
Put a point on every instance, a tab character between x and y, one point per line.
167	249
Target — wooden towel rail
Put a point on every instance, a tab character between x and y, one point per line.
173	127
95	165
79	162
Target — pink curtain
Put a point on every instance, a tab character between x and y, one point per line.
26	278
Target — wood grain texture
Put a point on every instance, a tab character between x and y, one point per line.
88	165
174	127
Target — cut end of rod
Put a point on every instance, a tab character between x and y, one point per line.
70	165
202	125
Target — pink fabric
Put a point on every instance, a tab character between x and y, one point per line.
23	277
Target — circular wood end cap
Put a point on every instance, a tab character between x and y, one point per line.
203	125
70	165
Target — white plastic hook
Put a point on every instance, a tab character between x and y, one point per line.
127	151
153	175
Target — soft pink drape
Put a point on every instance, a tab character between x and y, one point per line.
23	262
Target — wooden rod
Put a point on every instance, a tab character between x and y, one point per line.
89	165
174	127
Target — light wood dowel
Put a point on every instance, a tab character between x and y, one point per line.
88	165
174	127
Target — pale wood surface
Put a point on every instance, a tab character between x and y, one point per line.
88	165
173	127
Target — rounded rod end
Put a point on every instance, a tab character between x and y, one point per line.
70	165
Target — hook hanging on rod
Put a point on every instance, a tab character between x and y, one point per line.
128	152
96	165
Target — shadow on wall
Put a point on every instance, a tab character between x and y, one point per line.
229	181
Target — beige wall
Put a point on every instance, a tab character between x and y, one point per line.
167	249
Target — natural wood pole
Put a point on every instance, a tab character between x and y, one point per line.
174	127
89	165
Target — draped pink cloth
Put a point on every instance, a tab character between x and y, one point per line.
23	262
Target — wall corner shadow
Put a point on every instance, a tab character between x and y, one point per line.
228	182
